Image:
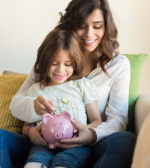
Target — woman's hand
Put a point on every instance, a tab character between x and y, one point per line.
36	136
85	137
42	105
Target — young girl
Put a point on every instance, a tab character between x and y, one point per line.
59	67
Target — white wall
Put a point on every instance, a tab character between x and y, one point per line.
133	21
24	24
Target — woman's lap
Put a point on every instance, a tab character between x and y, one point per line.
13	148
115	151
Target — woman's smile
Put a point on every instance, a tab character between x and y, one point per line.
88	42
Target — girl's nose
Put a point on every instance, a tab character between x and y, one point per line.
61	68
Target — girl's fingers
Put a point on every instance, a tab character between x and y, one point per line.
42	141
38	139
42	105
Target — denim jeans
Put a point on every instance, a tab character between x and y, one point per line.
13	149
114	151
70	158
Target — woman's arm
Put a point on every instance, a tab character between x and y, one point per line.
93	115
27	108
22	106
116	112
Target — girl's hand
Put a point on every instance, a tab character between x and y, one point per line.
36	137
42	105
85	137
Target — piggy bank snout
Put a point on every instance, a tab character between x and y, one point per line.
60	135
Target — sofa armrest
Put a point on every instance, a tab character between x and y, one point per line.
7	72
142	109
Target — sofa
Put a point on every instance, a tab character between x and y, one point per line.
139	106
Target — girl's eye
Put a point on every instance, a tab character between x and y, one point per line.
83	27
54	63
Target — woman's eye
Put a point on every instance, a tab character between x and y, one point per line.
69	64
97	27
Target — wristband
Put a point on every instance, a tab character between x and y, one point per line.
29	129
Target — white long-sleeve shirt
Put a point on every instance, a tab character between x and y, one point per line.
113	95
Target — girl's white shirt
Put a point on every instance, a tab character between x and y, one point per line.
113	94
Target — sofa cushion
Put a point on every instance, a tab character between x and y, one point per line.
136	63
9	85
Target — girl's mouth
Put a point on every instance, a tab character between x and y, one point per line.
59	77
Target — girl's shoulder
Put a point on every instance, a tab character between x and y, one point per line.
85	82
82	80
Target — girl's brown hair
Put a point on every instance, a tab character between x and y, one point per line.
78	11
58	39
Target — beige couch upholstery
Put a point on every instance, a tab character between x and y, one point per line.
142	109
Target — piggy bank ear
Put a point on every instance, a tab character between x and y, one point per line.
66	114
46	117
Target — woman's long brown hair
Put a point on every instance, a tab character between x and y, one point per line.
78	11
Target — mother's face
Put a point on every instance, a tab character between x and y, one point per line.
92	31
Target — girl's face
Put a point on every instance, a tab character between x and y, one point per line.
92	31
61	68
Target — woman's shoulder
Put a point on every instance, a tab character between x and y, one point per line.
119	61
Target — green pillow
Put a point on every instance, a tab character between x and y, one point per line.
136	63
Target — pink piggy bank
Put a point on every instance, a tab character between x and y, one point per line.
56	127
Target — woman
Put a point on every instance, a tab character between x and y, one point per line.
93	22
